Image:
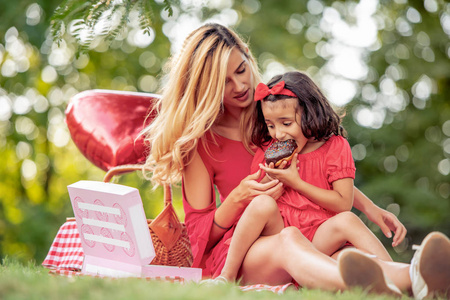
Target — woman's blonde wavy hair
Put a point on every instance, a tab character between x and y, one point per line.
191	101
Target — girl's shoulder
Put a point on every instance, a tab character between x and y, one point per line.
336	144
337	147
324	146
338	141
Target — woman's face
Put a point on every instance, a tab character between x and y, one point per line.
283	119
239	81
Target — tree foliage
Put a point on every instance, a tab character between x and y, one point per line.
397	119
104	18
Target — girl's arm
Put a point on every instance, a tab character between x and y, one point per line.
339	199
386	220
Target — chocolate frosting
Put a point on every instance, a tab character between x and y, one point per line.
279	150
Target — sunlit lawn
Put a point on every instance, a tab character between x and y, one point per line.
33	282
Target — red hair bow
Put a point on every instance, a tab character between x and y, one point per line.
262	91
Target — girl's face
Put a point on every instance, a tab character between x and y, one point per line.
239	81
283	120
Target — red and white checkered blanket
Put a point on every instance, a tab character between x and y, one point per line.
66	252
65	257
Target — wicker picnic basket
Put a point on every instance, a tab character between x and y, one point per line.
169	235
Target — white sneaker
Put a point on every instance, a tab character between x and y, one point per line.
430	267
359	270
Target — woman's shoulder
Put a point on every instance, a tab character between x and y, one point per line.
226	132
216	150
210	143
217	139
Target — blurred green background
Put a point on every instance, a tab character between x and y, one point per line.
385	62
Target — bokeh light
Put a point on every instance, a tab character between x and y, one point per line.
34	13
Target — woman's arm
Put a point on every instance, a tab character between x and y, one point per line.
387	221
199	194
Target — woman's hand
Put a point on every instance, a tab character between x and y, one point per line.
249	188
388	223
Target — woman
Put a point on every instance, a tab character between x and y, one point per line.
201	136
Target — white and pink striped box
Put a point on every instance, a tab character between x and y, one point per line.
114	233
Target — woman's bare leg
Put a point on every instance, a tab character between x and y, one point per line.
279	258
398	273
430	268
260	218
360	270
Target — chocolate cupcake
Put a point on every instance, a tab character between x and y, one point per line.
280	151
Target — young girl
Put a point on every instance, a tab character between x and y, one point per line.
318	187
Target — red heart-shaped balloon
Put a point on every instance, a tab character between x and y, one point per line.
105	125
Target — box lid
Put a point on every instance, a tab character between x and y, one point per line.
111	222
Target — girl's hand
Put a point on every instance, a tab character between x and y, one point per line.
249	188
288	176
388	222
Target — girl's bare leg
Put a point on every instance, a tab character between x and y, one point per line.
347	227
279	258
260	218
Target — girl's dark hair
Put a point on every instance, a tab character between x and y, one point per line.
319	120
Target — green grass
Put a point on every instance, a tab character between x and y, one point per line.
33	282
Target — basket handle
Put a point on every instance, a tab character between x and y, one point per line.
117	170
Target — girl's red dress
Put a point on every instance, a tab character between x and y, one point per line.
332	161
227	162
